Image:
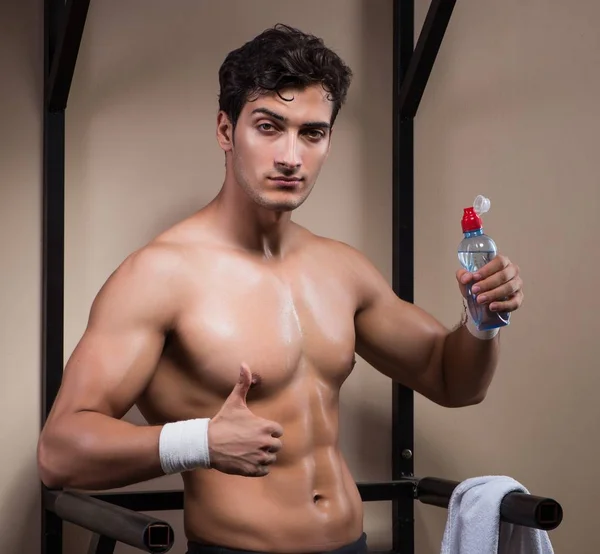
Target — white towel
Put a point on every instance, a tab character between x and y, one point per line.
474	527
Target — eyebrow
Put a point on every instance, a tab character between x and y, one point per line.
279	117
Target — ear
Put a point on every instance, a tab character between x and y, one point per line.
224	131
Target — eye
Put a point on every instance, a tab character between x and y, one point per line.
315	134
266	127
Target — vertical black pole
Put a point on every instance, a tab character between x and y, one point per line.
53	254
100	544
402	276
53	257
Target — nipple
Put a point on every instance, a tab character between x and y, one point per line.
481	204
256	380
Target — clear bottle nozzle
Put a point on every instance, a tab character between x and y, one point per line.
481	204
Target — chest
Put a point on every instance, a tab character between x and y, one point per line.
279	326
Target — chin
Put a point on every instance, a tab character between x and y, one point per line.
280	206
276	203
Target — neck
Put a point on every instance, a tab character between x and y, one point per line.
247	225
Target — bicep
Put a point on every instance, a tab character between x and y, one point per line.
398	338
108	369
116	357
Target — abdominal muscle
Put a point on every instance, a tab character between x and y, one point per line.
282	512
309	502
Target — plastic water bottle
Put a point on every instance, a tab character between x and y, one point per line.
476	250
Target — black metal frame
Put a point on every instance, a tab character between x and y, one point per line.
518	508
113	516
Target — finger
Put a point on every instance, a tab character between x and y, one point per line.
495	280
503	292
261	471
239	392
268	459
464	277
509	305
273	446
273	429
495	265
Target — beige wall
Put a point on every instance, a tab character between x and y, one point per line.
509	112
21	76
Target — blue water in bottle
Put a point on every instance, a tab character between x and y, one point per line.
476	250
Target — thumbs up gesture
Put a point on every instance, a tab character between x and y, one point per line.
241	443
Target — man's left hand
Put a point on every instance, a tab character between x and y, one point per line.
497	284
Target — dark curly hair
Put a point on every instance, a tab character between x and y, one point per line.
280	57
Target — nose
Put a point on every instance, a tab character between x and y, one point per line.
288	158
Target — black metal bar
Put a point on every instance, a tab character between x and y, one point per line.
426	50
147	501
391	490
531	511
99	544
52	532
115	522
516	507
53	258
522	509
73	16
52	255
154	501
402	270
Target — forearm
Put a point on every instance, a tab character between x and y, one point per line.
89	450
468	365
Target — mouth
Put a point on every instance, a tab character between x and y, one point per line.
286	182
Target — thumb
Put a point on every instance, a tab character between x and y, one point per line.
463	278
239	392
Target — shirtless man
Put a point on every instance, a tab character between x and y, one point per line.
234	330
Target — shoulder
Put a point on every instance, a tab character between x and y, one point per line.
164	259
157	262
144	287
351	265
343	253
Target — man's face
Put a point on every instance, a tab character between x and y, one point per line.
279	146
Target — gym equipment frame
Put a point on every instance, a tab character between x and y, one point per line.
114	516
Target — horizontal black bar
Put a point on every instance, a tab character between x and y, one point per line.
114	522
516	507
156	501
144	501
390	490
65	54
423	58
519	508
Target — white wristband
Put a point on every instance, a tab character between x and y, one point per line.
183	445
482	335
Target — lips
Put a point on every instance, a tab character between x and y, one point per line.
286	181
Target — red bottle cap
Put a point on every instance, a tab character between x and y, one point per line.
470	221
